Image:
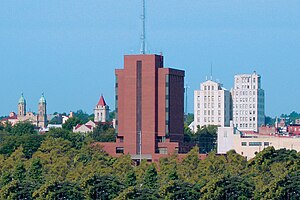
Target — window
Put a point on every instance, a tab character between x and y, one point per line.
266	143
244	143
255	144
163	150
121	139
120	150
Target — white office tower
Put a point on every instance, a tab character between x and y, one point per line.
211	105
248	102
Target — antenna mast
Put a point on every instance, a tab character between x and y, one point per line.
211	73
143	36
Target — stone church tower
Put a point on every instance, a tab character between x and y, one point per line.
101	111
22	106
42	112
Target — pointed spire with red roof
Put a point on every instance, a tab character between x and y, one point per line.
101	102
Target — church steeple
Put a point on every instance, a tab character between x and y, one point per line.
42	112
101	111
22	106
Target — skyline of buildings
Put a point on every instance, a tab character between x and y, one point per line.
243	105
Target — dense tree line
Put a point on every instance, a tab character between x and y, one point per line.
65	165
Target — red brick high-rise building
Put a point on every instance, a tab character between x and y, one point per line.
149	108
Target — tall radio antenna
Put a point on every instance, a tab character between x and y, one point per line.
143	35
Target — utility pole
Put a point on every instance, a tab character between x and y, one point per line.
140	146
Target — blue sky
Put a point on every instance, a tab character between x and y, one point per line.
69	49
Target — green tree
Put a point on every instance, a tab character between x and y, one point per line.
19	172
72	122
177	190
29	142
130	179
35	171
83	116
102	187
17	190
104	133
22	128
59	190
206	138
138	193
76	139
7	127
150	179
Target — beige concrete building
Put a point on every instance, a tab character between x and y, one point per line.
248	144
211	105
248	102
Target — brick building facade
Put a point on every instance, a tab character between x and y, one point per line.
149	109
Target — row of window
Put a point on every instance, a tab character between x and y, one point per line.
160	150
250	99
252	144
244	93
211	105
245	87
209	119
209	112
244	112
208	87
211	98
245	79
245	125
243	106
245	119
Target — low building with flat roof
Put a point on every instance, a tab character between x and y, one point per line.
250	143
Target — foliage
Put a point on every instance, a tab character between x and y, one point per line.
22	128
189	118
102	187
66	165
206	138
82	116
29	142
104	133
290	118
72	122
112	115
59	190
